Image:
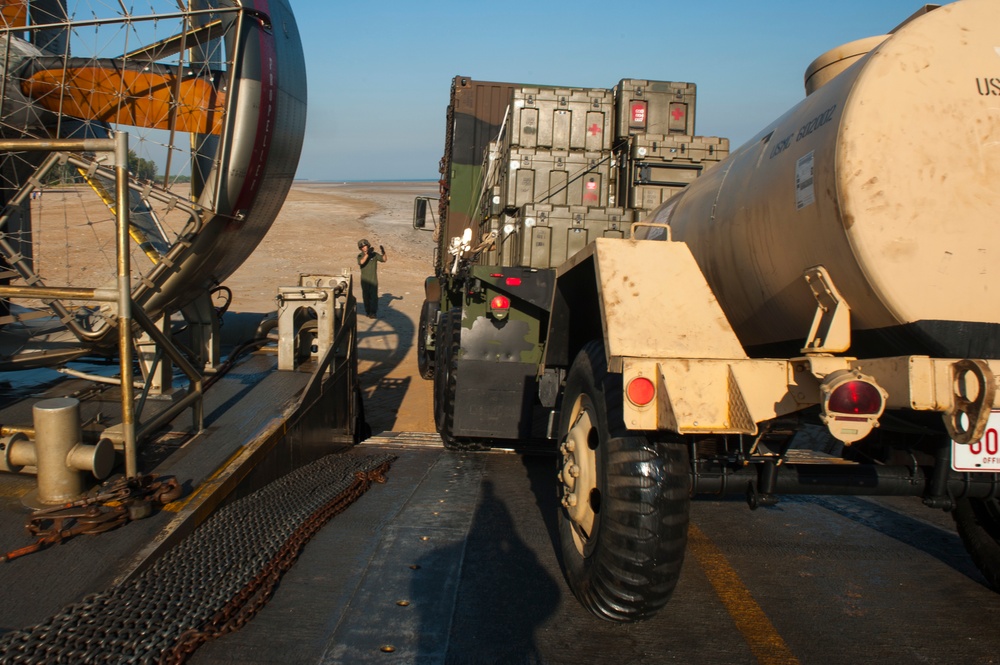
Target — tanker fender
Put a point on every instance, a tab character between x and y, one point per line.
652	308
643	298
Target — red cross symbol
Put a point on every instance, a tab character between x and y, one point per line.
594	129
678	113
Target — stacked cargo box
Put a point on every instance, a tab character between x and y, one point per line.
655	167
575	164
654	107
551	234
655	144
556	189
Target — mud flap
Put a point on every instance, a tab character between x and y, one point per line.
494	400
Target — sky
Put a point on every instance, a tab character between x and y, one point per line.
379	73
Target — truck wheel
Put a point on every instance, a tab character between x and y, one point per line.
978	522
623	524
428	321
445	331
449	342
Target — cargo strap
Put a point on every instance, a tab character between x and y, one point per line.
212	583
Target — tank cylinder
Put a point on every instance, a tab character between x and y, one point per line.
886	176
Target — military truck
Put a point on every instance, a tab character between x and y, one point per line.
530	175
816	314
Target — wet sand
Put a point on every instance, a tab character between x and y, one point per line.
317	231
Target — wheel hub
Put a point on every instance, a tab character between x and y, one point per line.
579	471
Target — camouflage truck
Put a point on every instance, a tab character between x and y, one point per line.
530	175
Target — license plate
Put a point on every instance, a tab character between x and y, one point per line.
982	455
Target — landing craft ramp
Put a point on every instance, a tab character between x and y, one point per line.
260	424
453	560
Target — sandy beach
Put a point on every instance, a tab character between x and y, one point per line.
317	231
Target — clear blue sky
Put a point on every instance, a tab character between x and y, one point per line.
379	72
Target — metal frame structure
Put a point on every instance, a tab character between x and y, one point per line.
122	295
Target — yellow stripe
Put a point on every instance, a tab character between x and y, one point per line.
179	505
764	641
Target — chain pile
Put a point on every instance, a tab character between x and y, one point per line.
213	582
117	503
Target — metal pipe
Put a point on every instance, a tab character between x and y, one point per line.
109	380
66	292
234	83
304	296
847	480
191	399
166	345
138	18
174	107
8	430
55	145
16	452
125	302
189	370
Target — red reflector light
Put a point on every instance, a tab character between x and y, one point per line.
513	281
500	302
640	391
855	397
496	274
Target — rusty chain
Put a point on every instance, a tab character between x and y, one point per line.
115	503
245	605
211	583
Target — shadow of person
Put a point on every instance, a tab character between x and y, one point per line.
504	594
382	346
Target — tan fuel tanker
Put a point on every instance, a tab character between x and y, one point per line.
838	269
888	175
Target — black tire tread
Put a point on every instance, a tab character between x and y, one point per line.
425	358
636	560
978	522
449	343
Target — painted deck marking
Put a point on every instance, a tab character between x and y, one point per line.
764	641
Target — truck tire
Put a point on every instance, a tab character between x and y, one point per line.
623	524
978	522
445	331
449	341
428	322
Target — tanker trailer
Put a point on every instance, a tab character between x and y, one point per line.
817	314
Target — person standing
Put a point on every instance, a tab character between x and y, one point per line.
369	259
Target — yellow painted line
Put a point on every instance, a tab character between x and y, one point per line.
279	428
208	483
764	641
